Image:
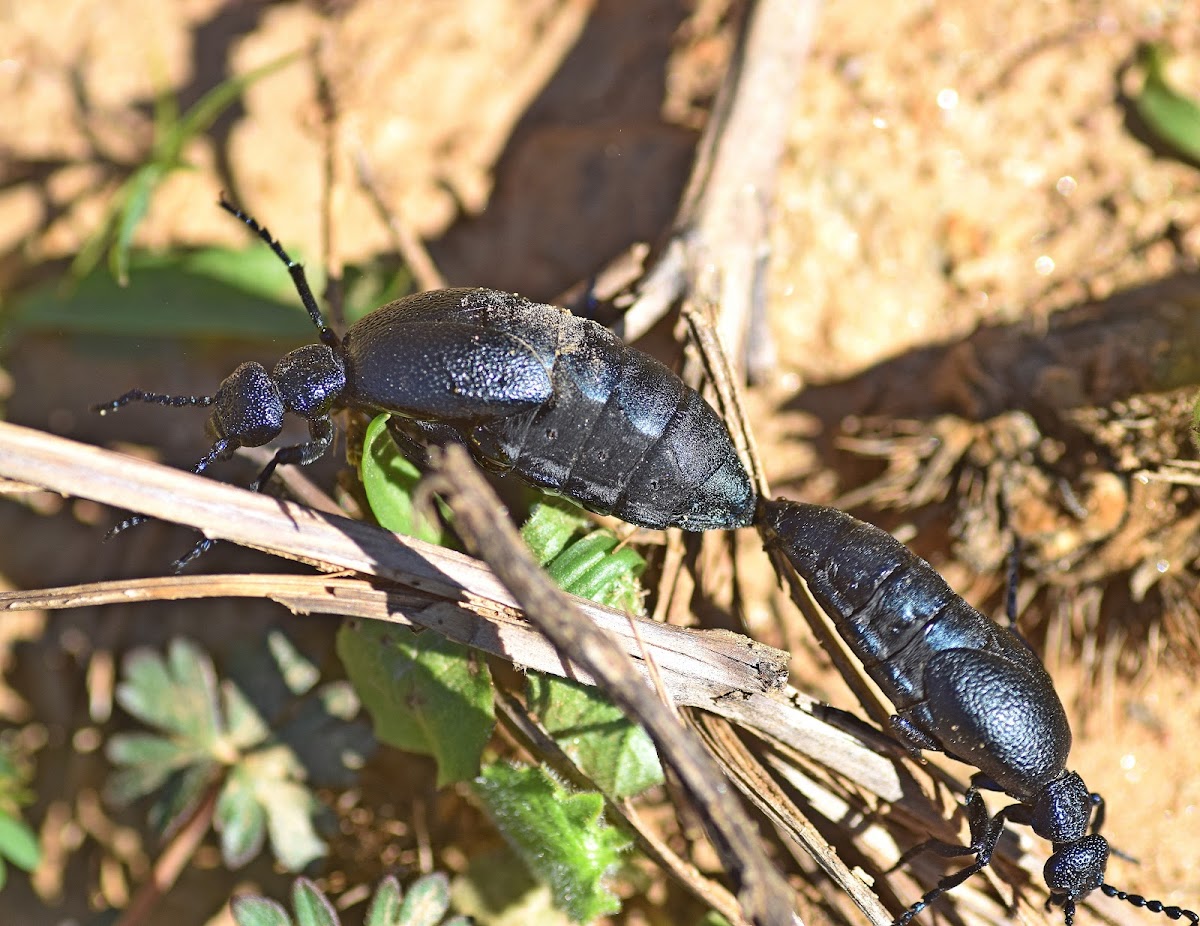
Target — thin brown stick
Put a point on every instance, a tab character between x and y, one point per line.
765	792
405	240
446	591
718	247
171	862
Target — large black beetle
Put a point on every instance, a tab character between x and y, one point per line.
531	389
960	684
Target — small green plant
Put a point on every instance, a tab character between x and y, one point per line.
559	835
215	735
1173	117
425	904
434	697
18	843
172	132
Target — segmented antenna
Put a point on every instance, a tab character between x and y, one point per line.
1154	906
153	398
294	268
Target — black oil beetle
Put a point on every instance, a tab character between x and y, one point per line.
960	684
530	389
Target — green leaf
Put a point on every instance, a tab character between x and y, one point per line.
135	203
385	905
240	820
18	843
297	671
149	749
205	111
146	763
559	835
252	910
196	712
427	901
1173	117
264	792
126	785
311	905
590	569
390	480
244	723
426	694
617	755
212	293
131	203
550	527
178	695
290	809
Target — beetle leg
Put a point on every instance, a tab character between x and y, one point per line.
985	833
911	738
221	450
321	430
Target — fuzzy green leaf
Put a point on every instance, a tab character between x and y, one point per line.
290	808
617	755
550	527
425	694
311	905
253	910
385	905
240	820
151	750
559	835
178	695
427	901
296	669
591	569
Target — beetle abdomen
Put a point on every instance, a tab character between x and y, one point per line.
971	686
558	400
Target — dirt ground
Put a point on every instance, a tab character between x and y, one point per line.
968	224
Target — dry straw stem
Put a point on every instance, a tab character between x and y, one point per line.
718	247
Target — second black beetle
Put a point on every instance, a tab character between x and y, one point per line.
961	684
557	400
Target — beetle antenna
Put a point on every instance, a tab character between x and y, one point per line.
152	398
1154	906
295	269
